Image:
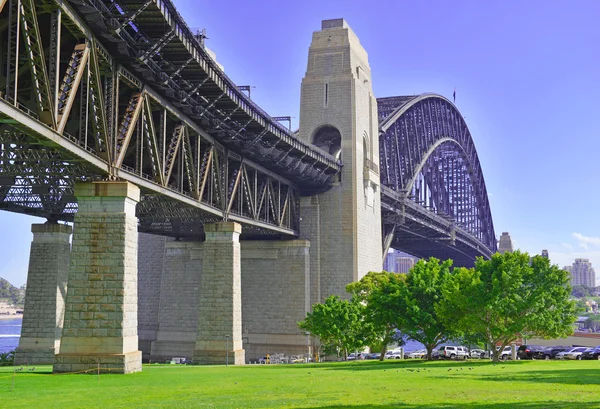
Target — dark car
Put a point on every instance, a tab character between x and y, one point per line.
592	353
528	351
374	355
550	352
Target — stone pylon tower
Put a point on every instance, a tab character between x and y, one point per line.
338	113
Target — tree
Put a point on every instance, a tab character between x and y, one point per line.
338	324
507	296
373	291
593	323
581	291
414	299
7	358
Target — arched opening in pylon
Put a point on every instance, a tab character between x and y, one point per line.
329	139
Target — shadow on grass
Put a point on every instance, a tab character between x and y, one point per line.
398	364
512	405
579	376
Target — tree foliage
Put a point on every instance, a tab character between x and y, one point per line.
339	325
414	301
7	358
581	291
509	295
373	292
593	323
7	290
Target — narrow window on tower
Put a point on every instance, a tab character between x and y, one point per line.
326	95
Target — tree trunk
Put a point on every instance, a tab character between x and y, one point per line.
429	351
383	351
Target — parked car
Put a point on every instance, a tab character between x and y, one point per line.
479	353
550	352
374	355
591	353
528	351
356	356
506	352
563	354
574	353
453	352
418	354
394	354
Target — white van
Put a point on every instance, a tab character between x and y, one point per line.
394	354
453	352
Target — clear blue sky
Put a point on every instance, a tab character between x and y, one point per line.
527	78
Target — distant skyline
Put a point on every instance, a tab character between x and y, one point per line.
526	76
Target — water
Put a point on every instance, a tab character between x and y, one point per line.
10	331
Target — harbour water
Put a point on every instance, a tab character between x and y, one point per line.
10	331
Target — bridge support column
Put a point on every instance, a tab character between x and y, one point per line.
46	290
219	334
100	326
177	326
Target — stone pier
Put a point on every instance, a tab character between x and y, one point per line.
220	306
179	297
100	326
46	291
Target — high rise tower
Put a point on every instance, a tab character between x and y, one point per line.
505	243
338	113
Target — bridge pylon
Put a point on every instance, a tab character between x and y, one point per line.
338	113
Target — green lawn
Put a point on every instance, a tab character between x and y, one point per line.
366	384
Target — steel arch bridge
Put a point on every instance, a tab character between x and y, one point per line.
122	89
433	194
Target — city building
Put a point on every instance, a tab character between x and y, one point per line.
397	261
505	243
582	273
404	264
545	253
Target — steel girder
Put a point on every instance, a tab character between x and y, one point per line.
429	165
97	120
151	39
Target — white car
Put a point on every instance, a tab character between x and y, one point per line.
479	353
574	353
420	353
453	352
506	353
394	354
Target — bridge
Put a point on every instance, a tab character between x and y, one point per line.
115	116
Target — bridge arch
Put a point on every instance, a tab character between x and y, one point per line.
427	155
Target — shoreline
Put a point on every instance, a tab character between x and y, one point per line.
11	317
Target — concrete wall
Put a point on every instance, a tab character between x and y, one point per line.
179	294
151	257
577	339
275	296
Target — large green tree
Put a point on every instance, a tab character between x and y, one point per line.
373	291
414	299
507	296
338	324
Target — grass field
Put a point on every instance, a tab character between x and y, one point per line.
366	384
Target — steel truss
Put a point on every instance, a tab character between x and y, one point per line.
432	180
70	111
151	39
